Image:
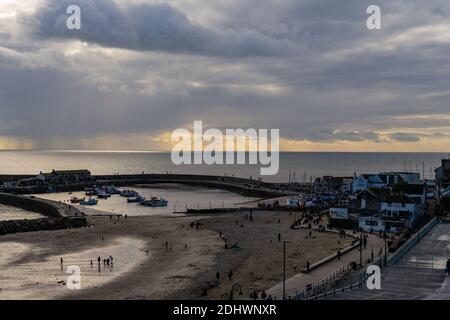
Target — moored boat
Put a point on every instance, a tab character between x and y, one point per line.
89	202
76	200
137	199
155	202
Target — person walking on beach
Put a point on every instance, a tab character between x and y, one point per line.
217	275
279	237
307	267
230	275
92	264
339	254
62	263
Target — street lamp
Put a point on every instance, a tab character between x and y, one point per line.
284	268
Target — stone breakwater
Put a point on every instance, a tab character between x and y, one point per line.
31	204
56	215
15	226
246	187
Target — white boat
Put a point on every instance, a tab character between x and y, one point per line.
103	195
137	199
89	202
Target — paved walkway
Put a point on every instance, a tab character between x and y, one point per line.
419	276
298	283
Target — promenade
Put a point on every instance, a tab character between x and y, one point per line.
420	275
299	282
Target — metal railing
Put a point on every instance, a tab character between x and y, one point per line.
339	283
412	241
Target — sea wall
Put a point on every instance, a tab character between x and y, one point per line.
247	187
15	226
30	204
54	215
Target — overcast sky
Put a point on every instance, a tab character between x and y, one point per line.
139	69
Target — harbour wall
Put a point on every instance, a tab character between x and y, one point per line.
16	226
55	215
30	204
247	187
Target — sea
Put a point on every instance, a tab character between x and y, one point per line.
294	166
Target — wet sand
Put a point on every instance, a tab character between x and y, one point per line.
186	269
13	213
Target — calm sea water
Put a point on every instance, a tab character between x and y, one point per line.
305	164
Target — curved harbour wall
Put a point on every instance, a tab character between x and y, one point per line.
30	204
55	214
246	187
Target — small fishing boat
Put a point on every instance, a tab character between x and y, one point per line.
155	202
129	193
112	190
137	199
89	202
76	200
103	195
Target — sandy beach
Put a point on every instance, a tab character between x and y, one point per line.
158	257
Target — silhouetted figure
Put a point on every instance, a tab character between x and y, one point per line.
217	275
230	275
279	237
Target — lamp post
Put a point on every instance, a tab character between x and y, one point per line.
360	249
284	268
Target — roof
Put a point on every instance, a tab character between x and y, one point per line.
408	188
398	198
59	172
84	171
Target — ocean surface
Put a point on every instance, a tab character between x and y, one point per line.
306	165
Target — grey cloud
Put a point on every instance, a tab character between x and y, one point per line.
404	137
46	90
155	27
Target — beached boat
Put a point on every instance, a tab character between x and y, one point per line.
89	202
76	200
128	193
155	202
137	199
103	195
112	190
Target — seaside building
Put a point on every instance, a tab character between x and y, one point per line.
330	184
58	177
442	177
384	180
380	210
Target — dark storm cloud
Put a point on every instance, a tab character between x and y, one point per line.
155	27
